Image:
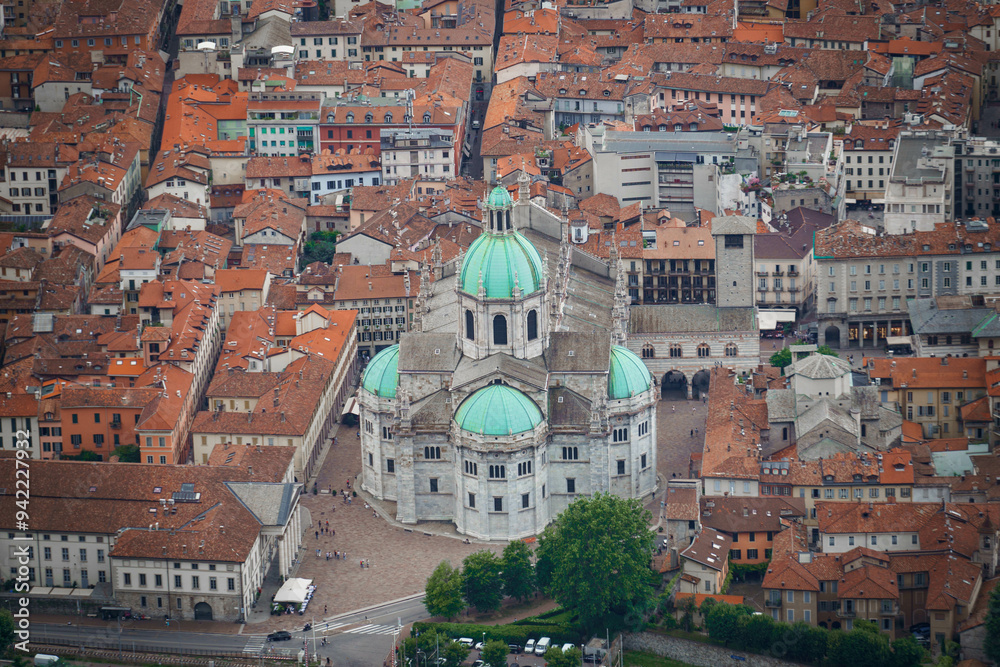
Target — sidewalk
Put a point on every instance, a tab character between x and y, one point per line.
214	627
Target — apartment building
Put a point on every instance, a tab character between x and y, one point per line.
98	420
284	124
336	39
867	153
348	126
791	591
81	545
920	191
240	290
426	155
864	280
662	169
90	224
705	563
751	523
931	391
678	264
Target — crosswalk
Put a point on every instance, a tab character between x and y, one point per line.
373	630
327	627
255	643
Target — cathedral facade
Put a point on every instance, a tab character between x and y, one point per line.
515	393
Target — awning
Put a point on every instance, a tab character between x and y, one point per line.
351	408
899	340
293	590
769	319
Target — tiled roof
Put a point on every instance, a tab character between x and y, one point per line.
710	548
927	372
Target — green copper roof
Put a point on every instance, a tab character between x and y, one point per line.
499	257
380	377
498	410
499	198
627	375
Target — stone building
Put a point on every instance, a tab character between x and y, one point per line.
680	343
514	393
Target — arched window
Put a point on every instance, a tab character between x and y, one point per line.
470	325
648	352
532	324
499	330
369	117
427	116
704	350
388	117
350	117
732	350
675	351
507	216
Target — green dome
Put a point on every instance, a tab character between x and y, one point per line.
380	376
498	410
627	375
499	198
499	257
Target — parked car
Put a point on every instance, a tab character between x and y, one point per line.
530	646
542	646
921	631
279	636
566	647
465	641
514	648
478	646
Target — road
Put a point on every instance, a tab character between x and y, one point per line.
354	639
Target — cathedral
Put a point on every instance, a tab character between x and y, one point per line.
515	392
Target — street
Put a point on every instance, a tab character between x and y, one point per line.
355	639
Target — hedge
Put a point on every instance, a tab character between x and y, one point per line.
518	633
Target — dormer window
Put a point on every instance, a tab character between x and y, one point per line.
582	92
607	93
859	144
369	117
678	127
427	116
663	128
693	127
330	117
350	117
562	91
388	117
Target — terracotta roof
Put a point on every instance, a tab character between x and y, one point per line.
789	574
710	548
927	372
868	582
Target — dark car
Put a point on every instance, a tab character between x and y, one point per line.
921	631
594	658
514	648
279	636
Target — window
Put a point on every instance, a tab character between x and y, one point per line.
570	453
432	452
498	503
570	485
472	501
498	472
499	330
434	485
525	500
177	581
704	350
532	324
470	325
142	580
752	554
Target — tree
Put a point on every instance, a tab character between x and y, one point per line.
518	573
800	642
444	591
127	453
723	622
556	658
596	557
454	654
755	632
688	607
906	652
864	645
7	628
494	653
320	247
991	641
783	357
481	581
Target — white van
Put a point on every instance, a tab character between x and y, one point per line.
530	646
566	647
542	646
465	641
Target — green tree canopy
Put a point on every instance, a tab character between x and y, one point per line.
444	591
518	573
783	357
454	654
7	629
595	557
483	587
127	453
906	652
320	247
991	642
723	622
863	646
556	658
494	653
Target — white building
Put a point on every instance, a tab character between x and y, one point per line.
423	154
920	191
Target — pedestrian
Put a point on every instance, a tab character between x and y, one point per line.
368	562
374	514
348	482
673	408
324	609
692	433
363	566
317	553
317	534
334	533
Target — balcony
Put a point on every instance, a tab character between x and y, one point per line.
116	424
847	613
777	272
793	272
793	290
891	610
762	274
772	603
